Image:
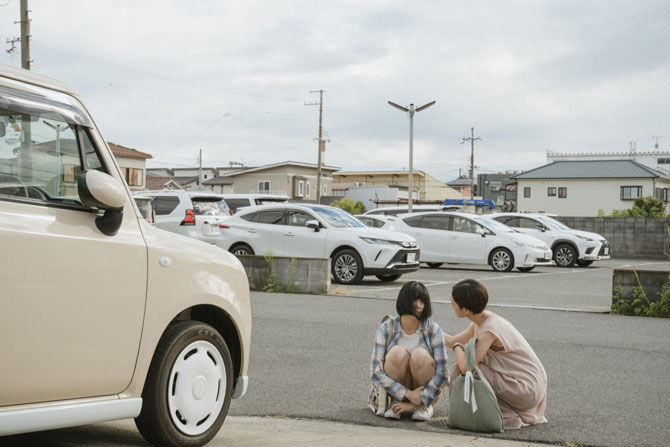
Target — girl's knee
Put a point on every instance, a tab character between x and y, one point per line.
421	357
397	356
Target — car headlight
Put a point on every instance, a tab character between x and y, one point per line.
404	244
584	238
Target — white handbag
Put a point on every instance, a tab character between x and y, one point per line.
378	399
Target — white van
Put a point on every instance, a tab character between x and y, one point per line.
104	316
236	201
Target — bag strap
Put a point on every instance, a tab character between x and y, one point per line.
470	355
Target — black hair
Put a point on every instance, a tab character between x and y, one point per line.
470	294
409	293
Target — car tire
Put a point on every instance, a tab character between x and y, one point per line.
388	278
347	267
502	260
583	263
241	250
525	269
187	412
434	265
565	255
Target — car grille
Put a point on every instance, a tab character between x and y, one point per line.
401	256
602	249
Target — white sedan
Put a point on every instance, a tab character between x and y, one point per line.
317	231
460	238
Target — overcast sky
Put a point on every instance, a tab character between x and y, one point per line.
232	77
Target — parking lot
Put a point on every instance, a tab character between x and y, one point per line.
576	288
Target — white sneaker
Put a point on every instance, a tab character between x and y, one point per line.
391	415
423	413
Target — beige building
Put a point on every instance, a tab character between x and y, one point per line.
133	165
429	188
294	179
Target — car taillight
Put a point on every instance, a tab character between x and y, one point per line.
189	219
223	226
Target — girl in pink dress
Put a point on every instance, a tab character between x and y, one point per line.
504	356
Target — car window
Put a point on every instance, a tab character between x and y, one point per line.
40	157
510	221
250	217
164	205
375	223
234	204
272	217
464	225
298	218
525	222
209	206
413	221
336	217
435	222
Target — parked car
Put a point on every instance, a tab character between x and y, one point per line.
194	214
569	246
317	231
103	315
376	221
237	201
472	239
395	210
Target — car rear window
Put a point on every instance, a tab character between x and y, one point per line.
234	204
165	204
206	206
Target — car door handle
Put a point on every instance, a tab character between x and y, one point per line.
251	230
288	233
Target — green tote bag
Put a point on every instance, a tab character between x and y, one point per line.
472	404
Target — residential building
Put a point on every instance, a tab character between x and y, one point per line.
495	187
582	188
375	196
133	165
462	185
654	159
158	182
428	187
223	184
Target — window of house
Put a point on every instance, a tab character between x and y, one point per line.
264	186
563	193
663	161
325	190
526	191
133	176
630	192
551	191
494	186
301	189
307	191
666	194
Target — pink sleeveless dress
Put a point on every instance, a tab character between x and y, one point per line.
515	374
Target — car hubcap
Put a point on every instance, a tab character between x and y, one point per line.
241	251
564	256
197	388
346	267
501	260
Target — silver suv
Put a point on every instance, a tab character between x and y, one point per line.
190	213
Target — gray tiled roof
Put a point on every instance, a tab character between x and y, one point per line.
592	169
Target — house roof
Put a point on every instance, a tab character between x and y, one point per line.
126	152
415	172
157	182
219	180
460	181
186	180
284	163
592	169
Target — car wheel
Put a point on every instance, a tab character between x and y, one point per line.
188	388
388	278
525	269
583	263
502	260
565	255
347	267
241	250
434	265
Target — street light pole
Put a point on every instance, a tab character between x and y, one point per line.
411	111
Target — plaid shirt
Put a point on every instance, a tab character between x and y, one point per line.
432	341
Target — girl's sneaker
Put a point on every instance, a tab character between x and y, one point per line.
422	413
391	415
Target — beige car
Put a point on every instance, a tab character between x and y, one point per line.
103	316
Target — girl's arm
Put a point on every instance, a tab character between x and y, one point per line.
461	338
377	373
484	342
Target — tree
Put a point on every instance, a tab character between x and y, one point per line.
642	207
349	205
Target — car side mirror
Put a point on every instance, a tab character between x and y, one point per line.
100	191
481	231
541	227
313	224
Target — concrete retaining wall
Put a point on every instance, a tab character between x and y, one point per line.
301	275
651	281
629	237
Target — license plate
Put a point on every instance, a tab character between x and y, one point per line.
607	251
411	257
211	230
547	256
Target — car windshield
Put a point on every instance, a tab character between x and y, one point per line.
210	207
493	225
553	223
337	218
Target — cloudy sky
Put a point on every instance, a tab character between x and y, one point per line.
232	77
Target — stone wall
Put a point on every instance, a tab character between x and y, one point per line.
301	275
629	237
651	281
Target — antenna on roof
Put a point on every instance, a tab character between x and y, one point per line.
656	141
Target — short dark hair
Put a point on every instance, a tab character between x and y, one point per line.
409	293
470	294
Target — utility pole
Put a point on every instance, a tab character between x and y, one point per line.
472	139
411	111
200	170
25	35
318	168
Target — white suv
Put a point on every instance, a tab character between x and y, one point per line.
189	213
237	201
569	246
318	231
395	210
103	316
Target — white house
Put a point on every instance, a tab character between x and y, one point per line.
654	159
581	188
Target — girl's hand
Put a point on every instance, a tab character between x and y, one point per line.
414	396
403	407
